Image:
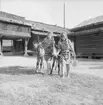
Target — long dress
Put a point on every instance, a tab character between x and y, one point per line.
65	58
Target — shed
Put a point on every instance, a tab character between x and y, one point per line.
39	32
88	37
14	28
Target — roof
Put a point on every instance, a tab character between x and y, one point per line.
8	17
47	27
90	22
13	34
37	26
11	16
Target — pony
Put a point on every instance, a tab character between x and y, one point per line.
40	56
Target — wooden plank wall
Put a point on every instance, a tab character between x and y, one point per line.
13	27
89	44
34	38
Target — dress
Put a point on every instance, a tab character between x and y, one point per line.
65	49
65	57
47	44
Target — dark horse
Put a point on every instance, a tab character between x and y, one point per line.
56	59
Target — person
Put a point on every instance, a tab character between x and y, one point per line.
66	48
47	44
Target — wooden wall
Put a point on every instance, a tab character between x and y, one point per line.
18	46
14	27
34	38
91	44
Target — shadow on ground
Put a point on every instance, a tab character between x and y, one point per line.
17	70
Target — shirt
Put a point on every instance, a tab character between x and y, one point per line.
47	44
65	48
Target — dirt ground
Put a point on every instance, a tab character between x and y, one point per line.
91	67
19	85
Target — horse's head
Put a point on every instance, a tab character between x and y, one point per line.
55	50
41	52
40	49
35	45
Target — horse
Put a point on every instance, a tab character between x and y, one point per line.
56	59
40	56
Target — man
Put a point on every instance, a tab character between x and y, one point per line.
47	44
65	47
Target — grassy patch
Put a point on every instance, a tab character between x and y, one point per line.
38	89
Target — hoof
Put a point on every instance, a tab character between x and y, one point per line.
35	72
61	76
64	77
50	74
58	73
68	76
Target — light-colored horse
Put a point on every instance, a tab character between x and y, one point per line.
40	56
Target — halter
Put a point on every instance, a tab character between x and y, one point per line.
55	52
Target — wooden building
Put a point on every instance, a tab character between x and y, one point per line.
18	34
14	33
39	32
88	38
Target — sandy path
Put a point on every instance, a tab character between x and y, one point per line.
88	67
22	87
17	61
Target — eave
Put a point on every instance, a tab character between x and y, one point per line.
13	34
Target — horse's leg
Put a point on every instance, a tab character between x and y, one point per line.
41	63
58	67
37	64
52	66
56	63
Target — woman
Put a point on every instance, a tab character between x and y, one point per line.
47	44
65	47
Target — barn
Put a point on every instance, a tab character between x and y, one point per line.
39	32
14	33
88	38
17	34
